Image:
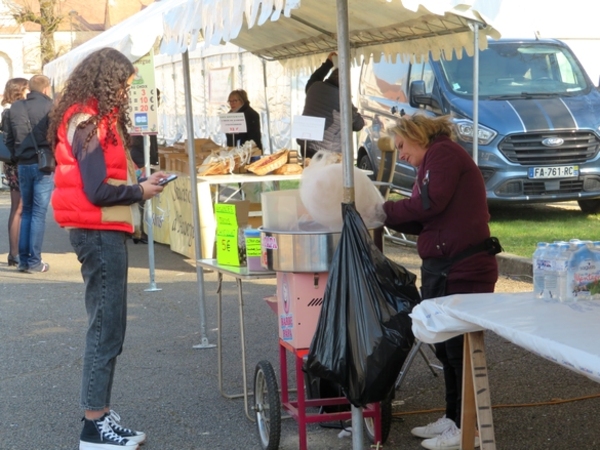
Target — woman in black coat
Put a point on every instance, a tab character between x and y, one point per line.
238	102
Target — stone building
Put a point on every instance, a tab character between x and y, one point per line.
80	20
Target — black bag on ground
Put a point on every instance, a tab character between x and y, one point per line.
5	155
364	332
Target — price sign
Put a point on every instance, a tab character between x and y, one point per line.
143	101
308	128
227	234
233	123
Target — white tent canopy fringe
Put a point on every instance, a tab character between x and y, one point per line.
298	34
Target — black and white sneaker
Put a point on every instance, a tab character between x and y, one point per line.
99	435
139	437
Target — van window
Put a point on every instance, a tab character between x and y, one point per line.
423	71
516	69
386	80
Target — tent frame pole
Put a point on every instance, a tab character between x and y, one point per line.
347	156
189	118
345	100
475	27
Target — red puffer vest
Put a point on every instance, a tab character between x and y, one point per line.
71	207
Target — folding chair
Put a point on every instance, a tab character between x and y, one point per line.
384	181
416	348
387	165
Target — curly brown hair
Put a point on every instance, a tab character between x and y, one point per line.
101	77
14	90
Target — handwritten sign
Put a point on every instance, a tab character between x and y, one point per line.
233	123
231	218
143	100
308	128
227	234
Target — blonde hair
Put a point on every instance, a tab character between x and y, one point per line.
422	129
38	83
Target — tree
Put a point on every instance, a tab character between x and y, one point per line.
47	19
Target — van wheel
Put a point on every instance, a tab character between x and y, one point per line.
365	163
589	206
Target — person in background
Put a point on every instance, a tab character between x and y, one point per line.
15	89
239	103
448	211
323	100
25	133
96	199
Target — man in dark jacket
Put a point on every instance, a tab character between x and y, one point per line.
29	122
323	100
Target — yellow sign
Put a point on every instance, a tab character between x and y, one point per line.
227	234
143	98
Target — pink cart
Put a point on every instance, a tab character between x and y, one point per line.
297	305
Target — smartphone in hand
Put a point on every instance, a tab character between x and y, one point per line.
164	181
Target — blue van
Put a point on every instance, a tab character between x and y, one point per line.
539	118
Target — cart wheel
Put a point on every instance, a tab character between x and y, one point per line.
385	407
267	406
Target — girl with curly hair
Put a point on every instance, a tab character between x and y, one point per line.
15	89
96	199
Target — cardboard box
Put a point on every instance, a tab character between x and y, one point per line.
231	219
255	215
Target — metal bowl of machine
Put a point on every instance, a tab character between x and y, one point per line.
303	251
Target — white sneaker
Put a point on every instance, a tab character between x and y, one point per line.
139	437
449	440
433	429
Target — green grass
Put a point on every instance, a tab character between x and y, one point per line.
520	227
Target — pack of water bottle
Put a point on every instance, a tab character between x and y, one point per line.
567	271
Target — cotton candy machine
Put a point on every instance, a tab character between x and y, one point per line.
292	241
300	251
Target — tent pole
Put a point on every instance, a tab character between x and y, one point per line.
148	220
266	94
347	156
345	100
476	93
189	119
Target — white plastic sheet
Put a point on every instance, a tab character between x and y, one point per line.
565	333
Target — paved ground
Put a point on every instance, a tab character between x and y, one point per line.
169	389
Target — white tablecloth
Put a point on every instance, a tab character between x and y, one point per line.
565	333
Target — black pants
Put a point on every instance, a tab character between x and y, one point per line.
450	354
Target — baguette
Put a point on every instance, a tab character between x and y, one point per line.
268	163
288	169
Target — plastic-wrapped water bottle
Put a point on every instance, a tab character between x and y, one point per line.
539	268
550	274
561	265
577	269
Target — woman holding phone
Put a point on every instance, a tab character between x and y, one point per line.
96	199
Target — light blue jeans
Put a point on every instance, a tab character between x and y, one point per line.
103	258
36	188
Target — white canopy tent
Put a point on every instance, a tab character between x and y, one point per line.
299	35
296	34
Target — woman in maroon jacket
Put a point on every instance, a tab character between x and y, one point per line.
449	213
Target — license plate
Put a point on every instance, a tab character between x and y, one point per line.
553	172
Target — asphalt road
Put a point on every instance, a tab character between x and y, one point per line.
168	388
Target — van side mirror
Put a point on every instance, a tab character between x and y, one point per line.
417	95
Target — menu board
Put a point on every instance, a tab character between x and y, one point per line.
143	99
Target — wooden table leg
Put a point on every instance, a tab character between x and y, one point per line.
476	401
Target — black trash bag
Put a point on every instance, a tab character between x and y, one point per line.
364	332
